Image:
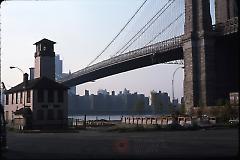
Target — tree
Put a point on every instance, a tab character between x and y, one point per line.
226	112
182	109
171	109
214	111
199	111
220	102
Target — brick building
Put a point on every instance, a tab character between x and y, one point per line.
40	102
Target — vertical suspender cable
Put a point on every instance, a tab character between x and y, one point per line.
143	29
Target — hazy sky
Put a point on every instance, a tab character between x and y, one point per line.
81	28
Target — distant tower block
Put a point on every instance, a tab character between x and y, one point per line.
45	59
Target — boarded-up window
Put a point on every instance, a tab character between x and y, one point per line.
50	115
16	98
40	114
21	97
7	99
44	106
7	115
59	114
12	97
28	97
56	106
50	96
40	95
60	95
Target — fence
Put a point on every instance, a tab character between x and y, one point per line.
90	123
148	120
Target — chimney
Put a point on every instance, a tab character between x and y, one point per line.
25	79
31	73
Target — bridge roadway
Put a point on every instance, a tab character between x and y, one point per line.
161	52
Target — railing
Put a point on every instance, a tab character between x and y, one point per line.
229	27
80	123
163	120
158	120
163	46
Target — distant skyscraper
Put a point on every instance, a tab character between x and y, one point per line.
102	91
160	102
58	67
59	74
126	91
113	93
86	92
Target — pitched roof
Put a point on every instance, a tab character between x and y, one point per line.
44	40
38	83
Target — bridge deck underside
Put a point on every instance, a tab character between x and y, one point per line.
131	64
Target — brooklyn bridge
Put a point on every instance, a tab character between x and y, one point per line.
209	52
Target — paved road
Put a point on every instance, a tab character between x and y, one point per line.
140	145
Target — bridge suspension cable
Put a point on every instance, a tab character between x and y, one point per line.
145	27
118	33
175	20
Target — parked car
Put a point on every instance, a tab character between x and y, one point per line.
185	121
212	120
234	121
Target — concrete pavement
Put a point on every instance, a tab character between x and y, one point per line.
92	144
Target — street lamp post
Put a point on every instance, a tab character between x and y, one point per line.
12	67
173	82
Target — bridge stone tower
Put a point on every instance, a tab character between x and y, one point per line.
45	59
226	9
198	48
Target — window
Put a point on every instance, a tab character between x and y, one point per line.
16	98
60	95
40	95
28	96
40	114
7	115
21	97
56	106
44	106
50	96
50	114
12	97
59	114
7	99
39	47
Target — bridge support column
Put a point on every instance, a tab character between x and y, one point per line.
198	48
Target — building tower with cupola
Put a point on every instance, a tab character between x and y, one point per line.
44	59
